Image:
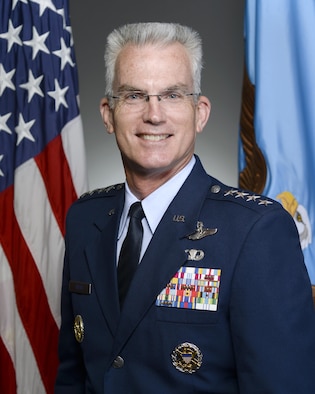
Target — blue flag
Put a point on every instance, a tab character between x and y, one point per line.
280	61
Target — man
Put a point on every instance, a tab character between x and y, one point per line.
220	301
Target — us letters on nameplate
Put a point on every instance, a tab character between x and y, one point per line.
192	288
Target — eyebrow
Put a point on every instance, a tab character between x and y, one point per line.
129	88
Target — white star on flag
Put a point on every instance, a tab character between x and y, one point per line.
33	85
65	54
37	42
23	130
5	79
3	123
12	35
59	95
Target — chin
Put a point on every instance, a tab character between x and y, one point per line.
154	165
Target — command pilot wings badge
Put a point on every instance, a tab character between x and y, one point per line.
201	232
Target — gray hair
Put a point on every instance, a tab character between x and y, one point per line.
163	34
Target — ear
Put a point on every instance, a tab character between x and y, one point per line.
107	115
203	109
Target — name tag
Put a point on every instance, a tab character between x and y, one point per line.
80	287
192	288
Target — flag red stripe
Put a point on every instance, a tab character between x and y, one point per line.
56	174
31	298
7	372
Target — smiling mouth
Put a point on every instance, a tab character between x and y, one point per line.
154	137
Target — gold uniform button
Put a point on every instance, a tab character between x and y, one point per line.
118	362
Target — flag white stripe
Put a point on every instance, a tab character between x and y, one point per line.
40	230
73	146
14	336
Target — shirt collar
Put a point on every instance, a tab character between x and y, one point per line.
156	203
129	200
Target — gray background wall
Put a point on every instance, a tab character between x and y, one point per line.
220	23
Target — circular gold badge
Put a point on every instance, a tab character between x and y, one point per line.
78	328
187	357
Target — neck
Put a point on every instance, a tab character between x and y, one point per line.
141	186
143	181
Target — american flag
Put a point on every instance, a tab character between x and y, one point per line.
42	171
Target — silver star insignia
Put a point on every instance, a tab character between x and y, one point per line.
252	198
241	194
264	202
230	192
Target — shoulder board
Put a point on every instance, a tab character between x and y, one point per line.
103	190
234	194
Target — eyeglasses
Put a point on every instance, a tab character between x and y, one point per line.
138	99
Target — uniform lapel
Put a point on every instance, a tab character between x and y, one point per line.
101	257
165	254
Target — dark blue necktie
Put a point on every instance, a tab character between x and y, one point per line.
130	251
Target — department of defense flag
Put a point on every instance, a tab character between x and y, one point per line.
280	61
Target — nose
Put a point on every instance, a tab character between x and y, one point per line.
154	112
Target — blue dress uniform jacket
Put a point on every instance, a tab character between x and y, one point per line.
259	336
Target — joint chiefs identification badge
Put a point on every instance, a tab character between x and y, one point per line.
187	357
78	328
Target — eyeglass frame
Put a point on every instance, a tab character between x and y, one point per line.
145	98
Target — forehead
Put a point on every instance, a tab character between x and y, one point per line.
153	66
